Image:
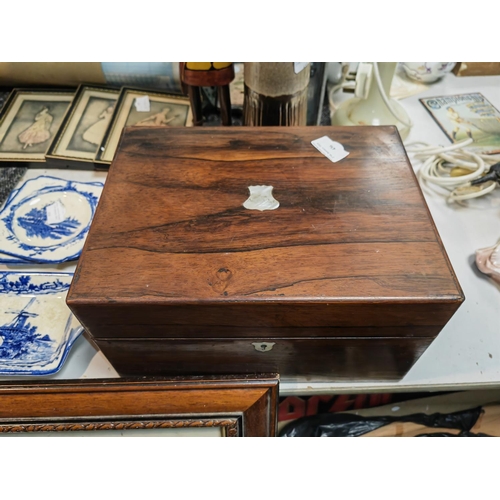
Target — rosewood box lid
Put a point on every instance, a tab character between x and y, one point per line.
354	238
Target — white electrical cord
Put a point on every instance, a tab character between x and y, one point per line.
343	83
376	72
440	169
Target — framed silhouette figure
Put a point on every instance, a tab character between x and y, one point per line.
83	128
29	122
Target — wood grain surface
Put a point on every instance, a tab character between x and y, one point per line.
338	359
351	250
171	223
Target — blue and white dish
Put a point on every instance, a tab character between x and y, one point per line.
37	330
47	220
9	259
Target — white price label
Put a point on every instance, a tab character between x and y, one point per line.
334	151
55	213
142	104
298	67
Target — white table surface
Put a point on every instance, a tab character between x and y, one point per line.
465	355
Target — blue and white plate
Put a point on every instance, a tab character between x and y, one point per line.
37	330
8	259
47	220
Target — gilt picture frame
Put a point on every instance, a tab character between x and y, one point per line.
219	406
29	122
83	128
165	110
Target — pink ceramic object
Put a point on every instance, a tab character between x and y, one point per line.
488	261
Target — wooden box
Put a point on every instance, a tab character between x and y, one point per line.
347	278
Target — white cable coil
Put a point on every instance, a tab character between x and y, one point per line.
439	162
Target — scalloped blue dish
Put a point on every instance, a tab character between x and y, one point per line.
47	220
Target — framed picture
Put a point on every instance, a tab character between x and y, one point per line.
83	128
229	406
29	122
160	110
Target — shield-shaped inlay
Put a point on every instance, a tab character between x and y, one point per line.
261	198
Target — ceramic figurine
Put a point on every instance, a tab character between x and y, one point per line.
208	74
